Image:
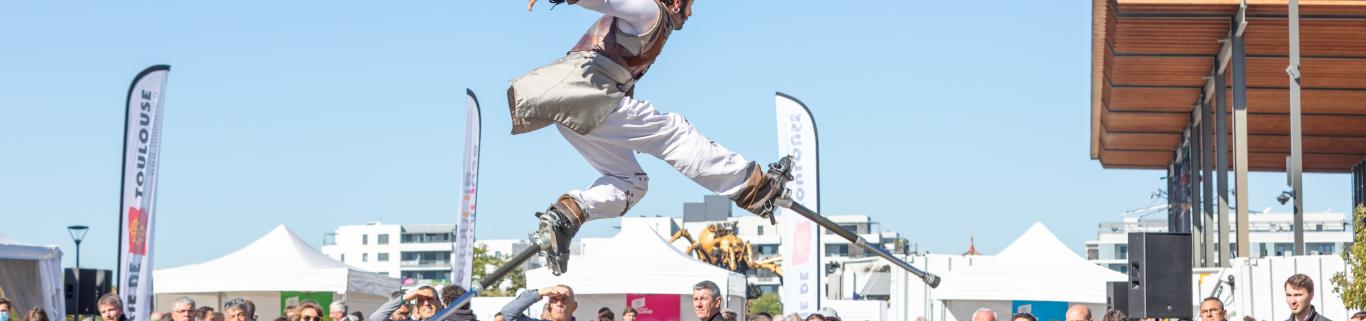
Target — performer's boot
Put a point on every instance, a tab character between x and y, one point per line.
559	223
762	188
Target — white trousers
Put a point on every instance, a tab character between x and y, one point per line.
635	127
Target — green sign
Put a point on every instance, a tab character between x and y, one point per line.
291	298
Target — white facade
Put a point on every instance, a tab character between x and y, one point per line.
418	254
1271	234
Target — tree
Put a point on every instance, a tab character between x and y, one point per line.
769	303
485	262
1351	284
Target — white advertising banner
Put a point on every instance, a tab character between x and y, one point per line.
462	266
137	202
800	246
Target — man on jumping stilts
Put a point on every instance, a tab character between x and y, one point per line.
588	96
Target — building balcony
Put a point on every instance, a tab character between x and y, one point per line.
424	264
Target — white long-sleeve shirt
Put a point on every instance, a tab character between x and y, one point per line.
636	16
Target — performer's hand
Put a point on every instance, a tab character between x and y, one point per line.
529	4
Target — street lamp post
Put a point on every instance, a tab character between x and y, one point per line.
78	234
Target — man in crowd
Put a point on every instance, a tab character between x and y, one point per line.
183	309
463	312
561	306
404	312
605	314
424	301
1078	312
239	309
1115	315
761	316
706	301
289	311
1211	309
203	313
984	314
337	310
110	307
499	316
1299	291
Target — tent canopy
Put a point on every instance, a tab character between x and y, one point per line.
31	276
637	260
278	261
1036	267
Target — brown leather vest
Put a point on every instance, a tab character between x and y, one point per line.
603	38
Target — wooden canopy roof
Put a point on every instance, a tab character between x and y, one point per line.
1150	59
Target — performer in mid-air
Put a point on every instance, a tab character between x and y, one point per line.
588	96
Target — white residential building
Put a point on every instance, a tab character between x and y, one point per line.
419	254
1271	234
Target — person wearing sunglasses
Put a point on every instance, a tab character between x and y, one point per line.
308	310
239	309
425	304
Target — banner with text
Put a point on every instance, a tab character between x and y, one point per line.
800	246
463	258
137	202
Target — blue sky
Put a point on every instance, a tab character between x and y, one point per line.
943	120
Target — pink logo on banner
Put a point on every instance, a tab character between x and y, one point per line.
655	307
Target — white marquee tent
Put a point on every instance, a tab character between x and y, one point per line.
1036	268
636	261
31	276
277	262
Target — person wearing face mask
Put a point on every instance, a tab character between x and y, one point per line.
4	309
560	307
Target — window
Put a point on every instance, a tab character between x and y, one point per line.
425	259
383	239
383	257
343	259
850	227
761	230
365	257
427	275
837	250
365	239
1285	249
1319	248
1123	250
384	273
426	238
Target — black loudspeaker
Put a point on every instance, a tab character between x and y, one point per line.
1160	276
1117	296
93	284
